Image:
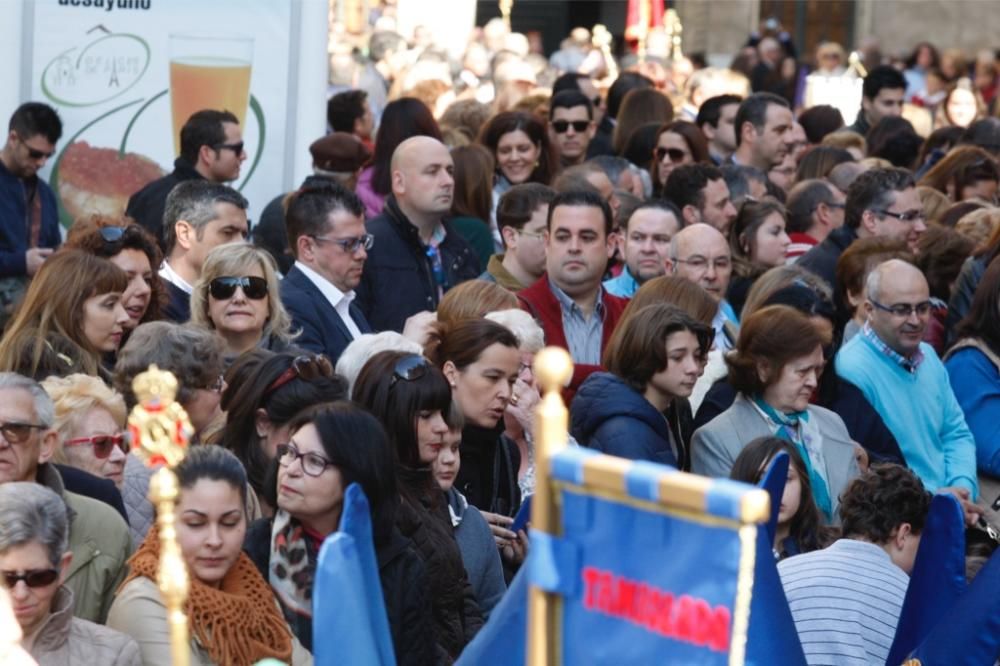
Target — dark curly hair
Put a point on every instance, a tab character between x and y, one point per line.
880	500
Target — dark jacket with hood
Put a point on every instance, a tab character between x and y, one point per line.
610	416
398	279
822	258
424	519
404	589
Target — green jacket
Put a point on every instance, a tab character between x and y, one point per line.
100	542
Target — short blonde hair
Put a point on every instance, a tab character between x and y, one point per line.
234	259
529	334
979	225
74	396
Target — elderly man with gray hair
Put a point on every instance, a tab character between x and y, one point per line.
98	535
199	216
815	208
35	561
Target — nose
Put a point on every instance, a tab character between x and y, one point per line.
20	591
812	379
141	287
710	272
447	456
920	226
731	211
438	426
506	390
239	296
648	245
121	316
214	536
116	454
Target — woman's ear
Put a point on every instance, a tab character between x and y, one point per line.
64	566
450	373
763	371
261	422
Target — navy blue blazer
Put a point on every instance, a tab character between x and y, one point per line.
323	331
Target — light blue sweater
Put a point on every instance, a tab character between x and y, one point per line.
920	409
976	383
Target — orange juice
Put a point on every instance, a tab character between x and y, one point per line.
198	83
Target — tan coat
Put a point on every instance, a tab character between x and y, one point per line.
138	611
64	640
101	545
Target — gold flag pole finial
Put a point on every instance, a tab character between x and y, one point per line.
553	369
505	8
160	432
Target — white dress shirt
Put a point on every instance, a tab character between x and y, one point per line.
170	275
340	301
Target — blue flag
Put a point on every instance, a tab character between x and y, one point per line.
938	577
350	625
503	639
773	482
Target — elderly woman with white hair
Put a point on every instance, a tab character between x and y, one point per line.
518	418
237	295
362	348
34	563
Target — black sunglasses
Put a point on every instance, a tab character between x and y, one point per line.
579	126
223	288
235	147
37	578
34	153
309	368
676	154
408	369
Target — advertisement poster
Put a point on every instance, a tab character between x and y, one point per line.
125	75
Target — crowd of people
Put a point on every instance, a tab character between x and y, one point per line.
734	276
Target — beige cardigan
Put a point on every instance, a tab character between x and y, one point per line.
138	611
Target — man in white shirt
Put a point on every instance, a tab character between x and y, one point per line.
326	234
199	215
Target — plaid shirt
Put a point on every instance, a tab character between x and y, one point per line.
909	364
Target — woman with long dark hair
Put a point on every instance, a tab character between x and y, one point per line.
411	398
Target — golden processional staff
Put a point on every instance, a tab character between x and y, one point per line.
160	432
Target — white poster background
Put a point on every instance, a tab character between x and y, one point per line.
106	71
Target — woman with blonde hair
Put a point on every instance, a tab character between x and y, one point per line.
472	299
238	296
72	314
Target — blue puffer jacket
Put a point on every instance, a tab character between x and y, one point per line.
612	417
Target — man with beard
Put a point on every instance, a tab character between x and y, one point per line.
907	384
575	311
417	256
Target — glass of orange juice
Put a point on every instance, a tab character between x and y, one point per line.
208	72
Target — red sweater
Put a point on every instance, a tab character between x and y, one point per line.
539	301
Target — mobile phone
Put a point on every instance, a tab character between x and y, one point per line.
524	515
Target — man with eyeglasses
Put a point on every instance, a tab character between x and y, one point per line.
905	381
815	208
198	216
418	255
521	215
211	149
98	536
29	214
880	202
701	254
571	126
326	234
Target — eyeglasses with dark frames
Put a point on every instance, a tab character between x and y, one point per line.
906	216
408	369
235	147
18	433
223	288
307	367
348	245
313	464
33	578
904	309
102	445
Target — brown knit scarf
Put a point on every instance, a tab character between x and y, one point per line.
239	624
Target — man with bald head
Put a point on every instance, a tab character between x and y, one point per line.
700	253
904	380
417	255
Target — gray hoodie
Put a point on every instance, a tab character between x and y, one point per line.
479	552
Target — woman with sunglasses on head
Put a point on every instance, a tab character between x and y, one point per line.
677	143
264	391
71	315
237	296
412	399
34	562
232	613
131	248
313	469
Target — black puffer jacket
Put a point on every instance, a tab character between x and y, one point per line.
423	518
398	279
